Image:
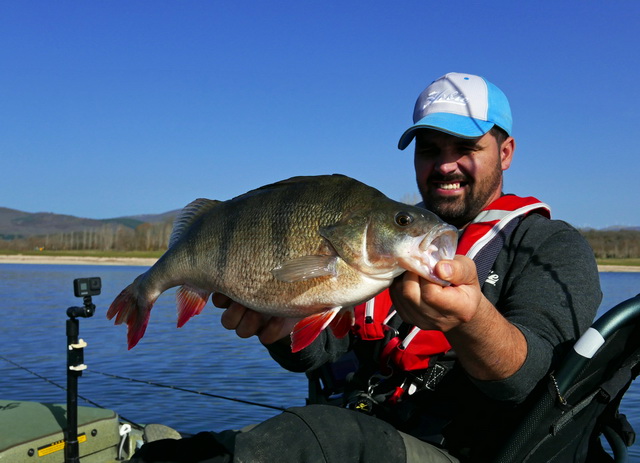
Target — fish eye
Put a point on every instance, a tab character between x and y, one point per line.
404	219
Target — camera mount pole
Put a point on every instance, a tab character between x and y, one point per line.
75	366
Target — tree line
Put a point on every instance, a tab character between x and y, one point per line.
109	237
614	244
618	244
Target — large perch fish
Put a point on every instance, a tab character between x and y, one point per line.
305	247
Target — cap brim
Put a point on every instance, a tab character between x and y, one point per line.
454	124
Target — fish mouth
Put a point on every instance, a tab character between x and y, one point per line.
427	250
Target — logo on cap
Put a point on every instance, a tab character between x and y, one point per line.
436	97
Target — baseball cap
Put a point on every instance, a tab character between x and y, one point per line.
463	105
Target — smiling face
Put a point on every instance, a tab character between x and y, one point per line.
458	177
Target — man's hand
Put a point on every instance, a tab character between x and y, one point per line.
487	345
247	322
433	307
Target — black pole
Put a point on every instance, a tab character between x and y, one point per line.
75	366
74	362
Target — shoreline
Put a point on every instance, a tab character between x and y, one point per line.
618	268
77	260
149	261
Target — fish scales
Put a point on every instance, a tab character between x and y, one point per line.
287	219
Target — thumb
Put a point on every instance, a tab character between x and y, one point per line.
459	271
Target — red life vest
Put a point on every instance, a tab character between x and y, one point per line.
417	350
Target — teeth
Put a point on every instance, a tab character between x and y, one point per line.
450	186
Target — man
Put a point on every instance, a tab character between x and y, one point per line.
448	375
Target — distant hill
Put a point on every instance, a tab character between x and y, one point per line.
18	224
154	218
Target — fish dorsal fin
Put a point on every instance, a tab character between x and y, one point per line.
189	215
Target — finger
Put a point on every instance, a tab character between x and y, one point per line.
405	294
251	324
405	288
220	300
276	329
231	317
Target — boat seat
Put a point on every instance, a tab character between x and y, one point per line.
578	403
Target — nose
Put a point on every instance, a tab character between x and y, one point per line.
447	162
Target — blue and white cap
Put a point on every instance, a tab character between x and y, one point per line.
462	105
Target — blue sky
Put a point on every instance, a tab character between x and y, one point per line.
114	108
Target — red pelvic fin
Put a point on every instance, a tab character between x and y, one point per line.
308	329
191	301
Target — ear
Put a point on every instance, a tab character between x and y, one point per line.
506	152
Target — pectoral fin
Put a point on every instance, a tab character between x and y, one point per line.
306	267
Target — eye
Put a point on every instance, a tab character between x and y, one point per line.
404	219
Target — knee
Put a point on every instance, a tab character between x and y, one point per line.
321	433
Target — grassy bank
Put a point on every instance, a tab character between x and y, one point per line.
628	262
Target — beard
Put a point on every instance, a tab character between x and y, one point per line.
460	210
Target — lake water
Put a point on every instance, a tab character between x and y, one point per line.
201	356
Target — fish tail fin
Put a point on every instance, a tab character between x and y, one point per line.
127	308
308	329
191	301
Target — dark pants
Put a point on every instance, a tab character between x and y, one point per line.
315	433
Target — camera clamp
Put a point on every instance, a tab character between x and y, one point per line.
85	288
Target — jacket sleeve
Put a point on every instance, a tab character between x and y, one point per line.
551	292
